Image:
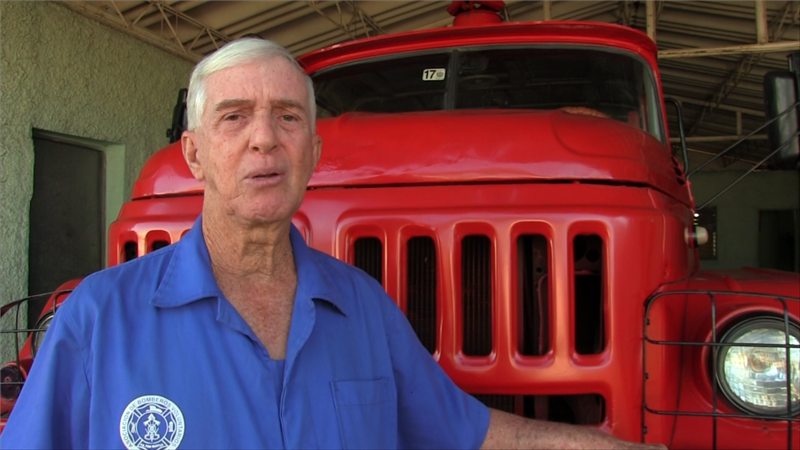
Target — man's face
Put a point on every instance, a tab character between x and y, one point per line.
254	147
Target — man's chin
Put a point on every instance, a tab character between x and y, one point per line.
267	216
255	211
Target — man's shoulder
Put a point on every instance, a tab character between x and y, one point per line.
360	293
137	278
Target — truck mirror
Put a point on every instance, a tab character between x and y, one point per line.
681	132
780	93
178	118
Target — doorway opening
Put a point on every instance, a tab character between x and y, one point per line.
778	240
69	210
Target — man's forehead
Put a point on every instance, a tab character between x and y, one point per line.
274	77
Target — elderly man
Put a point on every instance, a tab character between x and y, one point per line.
241	336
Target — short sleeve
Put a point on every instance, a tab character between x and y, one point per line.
432	411
53	408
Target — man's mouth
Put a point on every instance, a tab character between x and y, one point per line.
265	178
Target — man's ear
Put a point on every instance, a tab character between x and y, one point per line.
191	154
317	144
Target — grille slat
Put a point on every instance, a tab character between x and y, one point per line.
476	294
421	290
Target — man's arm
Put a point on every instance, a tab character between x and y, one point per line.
509	431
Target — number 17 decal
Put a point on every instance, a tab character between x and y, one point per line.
433	74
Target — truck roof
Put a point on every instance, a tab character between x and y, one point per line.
508	33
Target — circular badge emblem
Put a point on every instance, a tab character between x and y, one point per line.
151	422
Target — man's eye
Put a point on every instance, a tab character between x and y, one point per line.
232	117
288	118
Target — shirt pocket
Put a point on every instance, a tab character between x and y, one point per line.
367	413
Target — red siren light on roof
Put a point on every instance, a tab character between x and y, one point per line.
468	13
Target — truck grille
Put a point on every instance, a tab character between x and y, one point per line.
421	289
532	278
368	256
475	266
588	283
476	294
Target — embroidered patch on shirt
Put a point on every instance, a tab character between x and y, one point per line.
151	422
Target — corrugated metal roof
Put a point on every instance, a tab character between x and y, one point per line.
733	82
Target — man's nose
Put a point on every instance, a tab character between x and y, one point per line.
264	133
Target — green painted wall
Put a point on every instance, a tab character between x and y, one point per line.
738	211
67	74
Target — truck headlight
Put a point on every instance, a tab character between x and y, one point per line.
760	380
38	336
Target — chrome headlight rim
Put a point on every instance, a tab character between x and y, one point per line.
37	337
738	330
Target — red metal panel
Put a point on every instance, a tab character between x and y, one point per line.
457	147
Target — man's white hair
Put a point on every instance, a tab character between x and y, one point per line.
235	53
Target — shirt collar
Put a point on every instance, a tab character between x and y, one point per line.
189	277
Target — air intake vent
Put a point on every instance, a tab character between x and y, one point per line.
476	294
534	300
588	287
368	256
131	251
421	278
159	245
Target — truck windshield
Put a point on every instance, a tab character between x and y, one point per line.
586	79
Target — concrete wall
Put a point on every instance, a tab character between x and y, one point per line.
66	74
738	211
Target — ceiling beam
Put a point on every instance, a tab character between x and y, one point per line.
211	32
749	111
118	23
786	46
153	17
355	13
652	18
762	32
268	20
366	19
706	152
547	5
695	139
748	62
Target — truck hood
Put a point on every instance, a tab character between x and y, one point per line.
364	149
490	146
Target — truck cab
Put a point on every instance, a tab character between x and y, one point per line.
512	188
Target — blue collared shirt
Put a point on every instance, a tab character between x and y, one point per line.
150	354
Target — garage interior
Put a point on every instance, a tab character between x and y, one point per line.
104	76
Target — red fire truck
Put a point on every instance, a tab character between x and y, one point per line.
512	187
